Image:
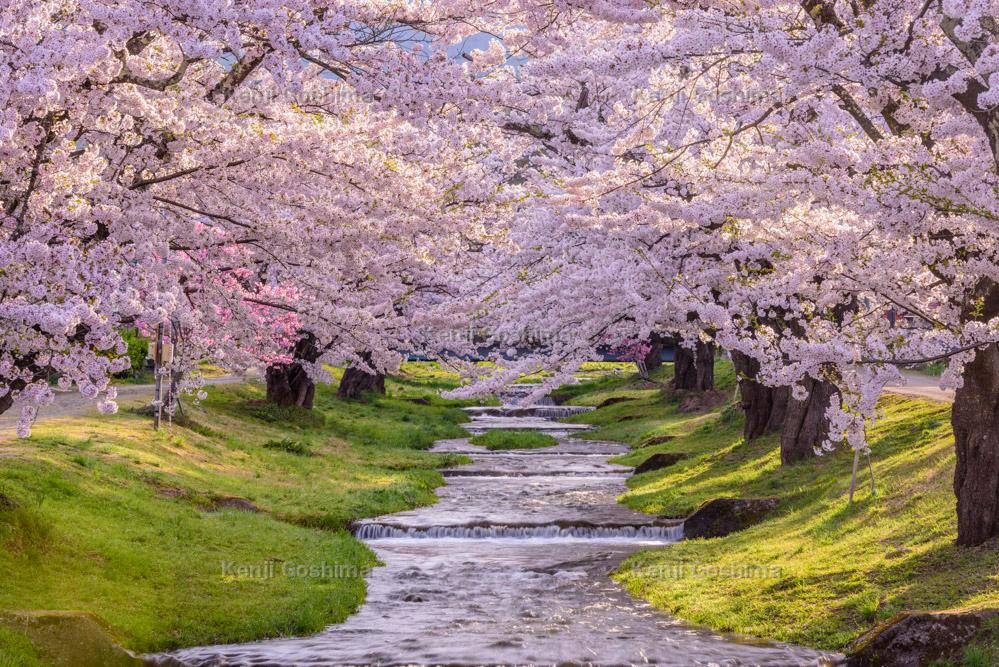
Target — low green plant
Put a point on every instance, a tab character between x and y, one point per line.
977	656
290	446
138	350
867	604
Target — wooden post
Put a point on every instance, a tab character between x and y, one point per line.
157	363
853	478
870	468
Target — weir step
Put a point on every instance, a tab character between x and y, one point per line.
376	531
538	411
458	472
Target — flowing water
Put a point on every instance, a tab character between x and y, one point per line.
511	568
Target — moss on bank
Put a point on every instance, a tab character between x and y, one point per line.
820	571
201	533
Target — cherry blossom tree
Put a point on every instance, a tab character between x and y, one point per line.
249	171
782	178
299	183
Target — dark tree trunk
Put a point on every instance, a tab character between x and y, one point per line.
975	419
18	385
6	401
765	407
694	370
654	359
289	384
805	425
356	382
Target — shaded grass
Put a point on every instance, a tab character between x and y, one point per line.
111	517
16	650
653	408
501	439
819	571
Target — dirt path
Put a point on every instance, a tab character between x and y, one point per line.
923	386
73	404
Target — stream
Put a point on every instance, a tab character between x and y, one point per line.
511	568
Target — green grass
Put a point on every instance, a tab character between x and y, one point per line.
498	439
16	650
290	446
978	656
820	571
119	520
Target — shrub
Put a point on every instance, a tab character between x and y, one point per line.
291	446
138	348
976	656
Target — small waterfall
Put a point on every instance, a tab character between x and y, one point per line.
541	411
516	393
556	411
511	474
376	531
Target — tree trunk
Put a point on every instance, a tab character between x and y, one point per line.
694	370
18	385
805	425
356	382
289	384
6	401
975	419
765	407
654	359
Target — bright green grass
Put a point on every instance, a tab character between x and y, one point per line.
499	439
652	410
16	650
112	516
820	572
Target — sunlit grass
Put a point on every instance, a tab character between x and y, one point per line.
119	520
819	571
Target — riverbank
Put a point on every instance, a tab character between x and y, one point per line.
228	528
819	571
511	567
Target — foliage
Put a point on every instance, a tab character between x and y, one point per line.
977	656
138	348
290	446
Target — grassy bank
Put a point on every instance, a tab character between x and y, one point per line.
498	440
820	571
226	529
